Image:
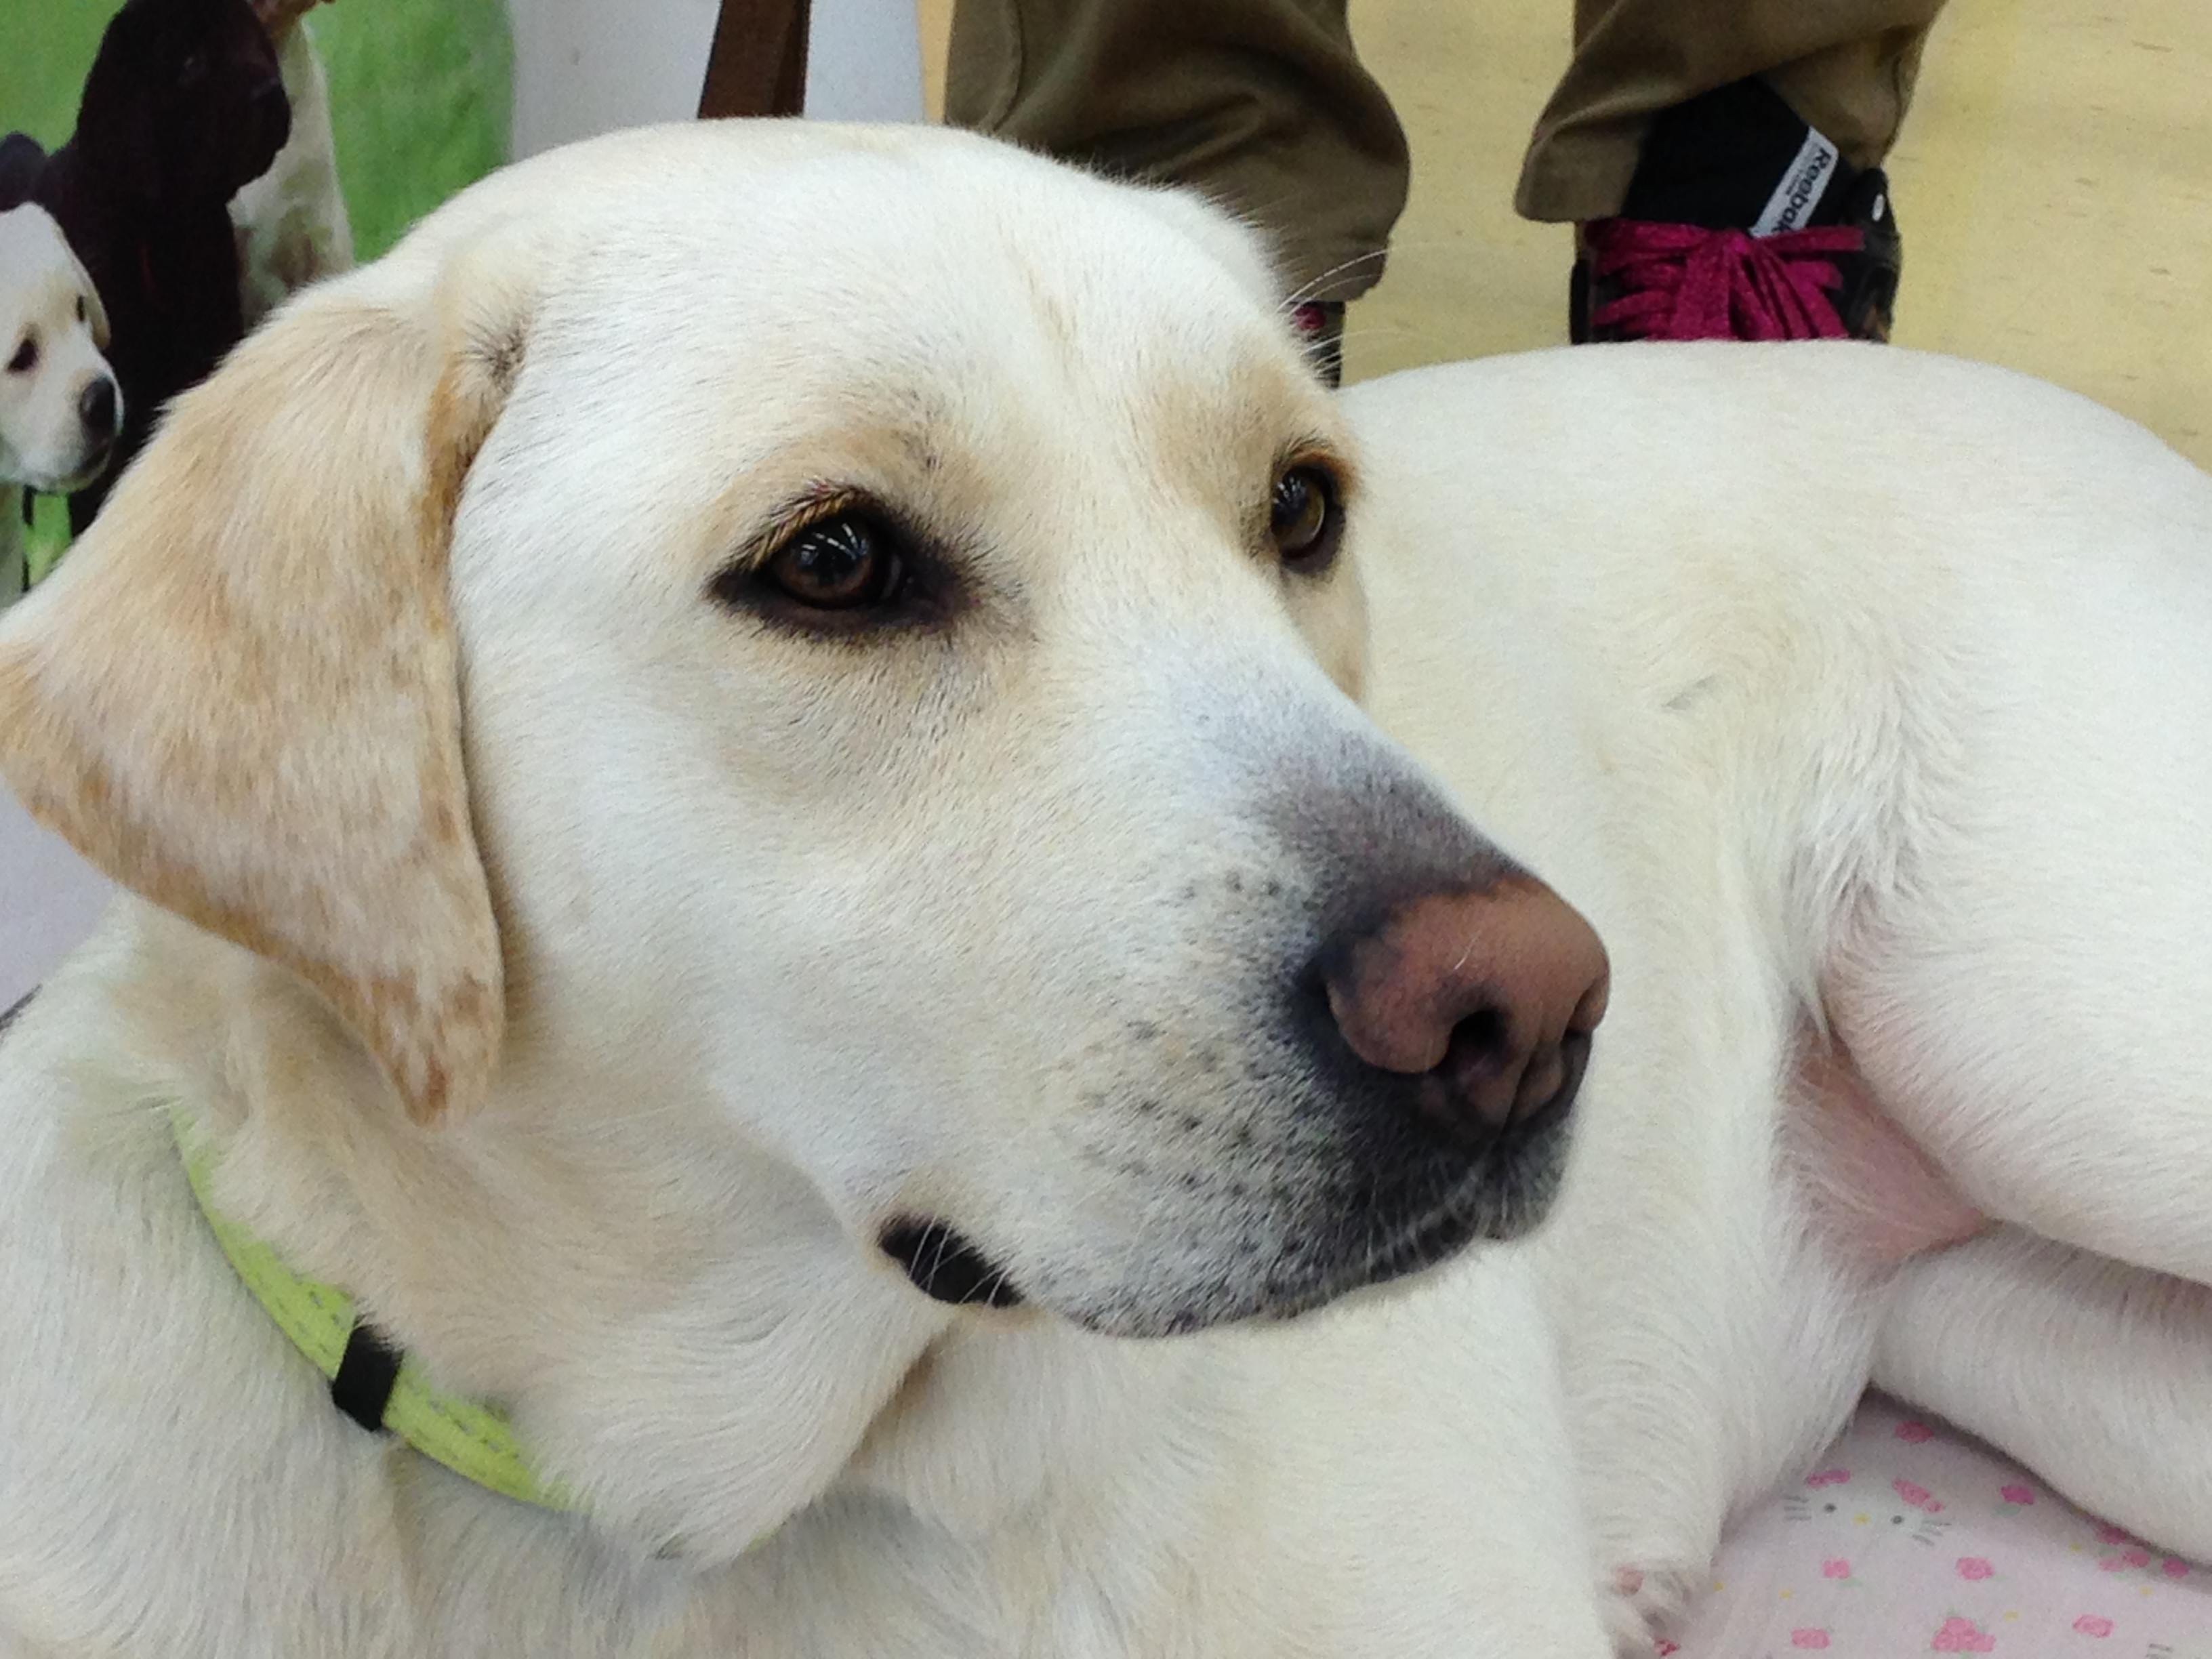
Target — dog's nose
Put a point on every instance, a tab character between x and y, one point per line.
1488	996
97	407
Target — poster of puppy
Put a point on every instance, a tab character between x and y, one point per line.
59	408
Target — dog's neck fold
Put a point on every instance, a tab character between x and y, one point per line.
685	1339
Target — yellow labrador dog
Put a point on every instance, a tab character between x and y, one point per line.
814	836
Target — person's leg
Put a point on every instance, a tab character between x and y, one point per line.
1262	104
1844	66
1719	158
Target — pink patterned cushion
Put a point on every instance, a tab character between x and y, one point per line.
1910	1538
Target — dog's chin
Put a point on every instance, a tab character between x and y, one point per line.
1493	1205
85	472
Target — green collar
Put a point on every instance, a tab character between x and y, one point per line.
468	1436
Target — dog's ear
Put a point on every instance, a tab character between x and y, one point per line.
239	696
22	160
95	313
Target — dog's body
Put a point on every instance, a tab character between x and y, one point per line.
58	405
1833	684
1890	677
183	105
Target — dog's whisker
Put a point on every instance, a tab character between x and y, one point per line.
1312	289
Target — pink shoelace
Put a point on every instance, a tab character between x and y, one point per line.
1686	282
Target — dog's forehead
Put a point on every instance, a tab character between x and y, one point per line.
726	322
942	199
31	244
38	275
926	258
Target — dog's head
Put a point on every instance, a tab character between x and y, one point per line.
849	643
59	409
184	105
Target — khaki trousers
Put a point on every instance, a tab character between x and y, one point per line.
1264	103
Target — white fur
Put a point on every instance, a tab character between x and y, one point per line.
1887	679
47	300
291	223
1804	672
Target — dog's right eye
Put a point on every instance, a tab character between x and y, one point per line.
27	357
841	566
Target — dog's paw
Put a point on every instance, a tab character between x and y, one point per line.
1638	1601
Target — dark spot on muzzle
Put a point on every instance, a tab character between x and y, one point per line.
945	1265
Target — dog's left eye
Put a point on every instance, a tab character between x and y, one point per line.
79	308
1304	519
27	357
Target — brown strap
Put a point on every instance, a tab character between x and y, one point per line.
758	65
